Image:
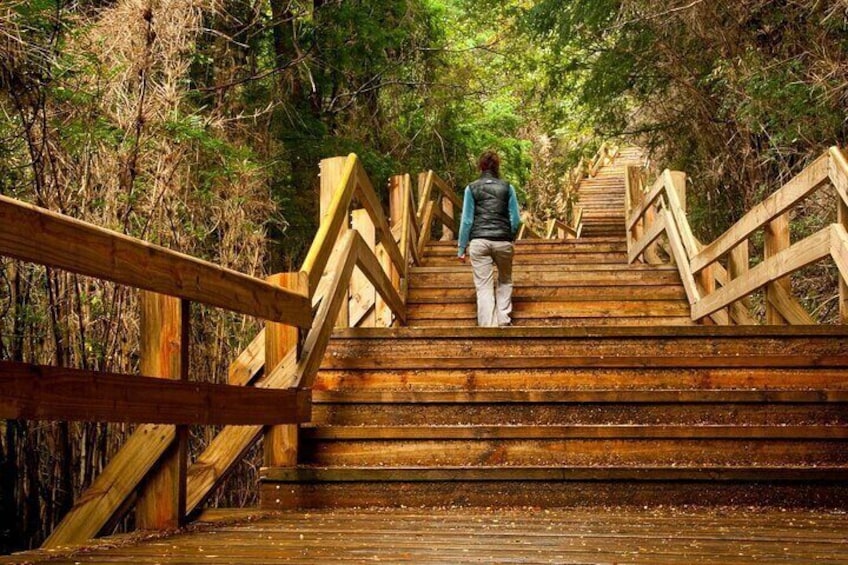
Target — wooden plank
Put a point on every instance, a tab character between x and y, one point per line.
675	183
373	271
540	473
370	202
614	396
738	264
450	220
390	378
567	452
776	240
447	191
396	275
425	189
316	341
575	527
789	308
655	231
164	329
839	249
649	200
406	219
444	218
113	486
578	220
250	362
558	335
426	226
280	442
679	253
556	309
335	219
230	444
37	235
803	184
40	392
780	265
363	295
838	173
578	431
839	252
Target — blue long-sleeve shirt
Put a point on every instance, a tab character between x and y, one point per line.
468	217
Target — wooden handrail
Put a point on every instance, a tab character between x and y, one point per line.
712	289
41	236
446	207
322	284
38	392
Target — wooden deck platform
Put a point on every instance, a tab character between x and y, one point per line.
660	535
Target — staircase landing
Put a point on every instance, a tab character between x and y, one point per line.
475	535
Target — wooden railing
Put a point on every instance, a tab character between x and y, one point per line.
354	274
437	201
718	277
154	457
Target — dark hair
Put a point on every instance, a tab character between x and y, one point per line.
489	161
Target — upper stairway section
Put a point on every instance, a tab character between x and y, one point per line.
601	196
578	282
561	282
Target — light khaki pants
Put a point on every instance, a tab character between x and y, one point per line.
493	306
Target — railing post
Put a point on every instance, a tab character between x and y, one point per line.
363	295
776	240
738	264
164	326
842	218
420	193
281	442
447	231
629	187
396	194
331	175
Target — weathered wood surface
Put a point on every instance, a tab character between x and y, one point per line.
588	534
806	182
336	218
41	236
580	431
165	331
453	411
114	485
578	378
674	488
53	393
799	255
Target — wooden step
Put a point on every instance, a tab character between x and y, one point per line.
576	247
466	293
558	258
393	409
546	487
655	379
620	321
701	346
528	276
551	310
696	452
313	433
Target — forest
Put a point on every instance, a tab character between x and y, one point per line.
199	125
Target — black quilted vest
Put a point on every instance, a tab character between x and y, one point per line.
491	209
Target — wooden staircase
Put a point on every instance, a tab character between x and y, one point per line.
603	392
602	197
